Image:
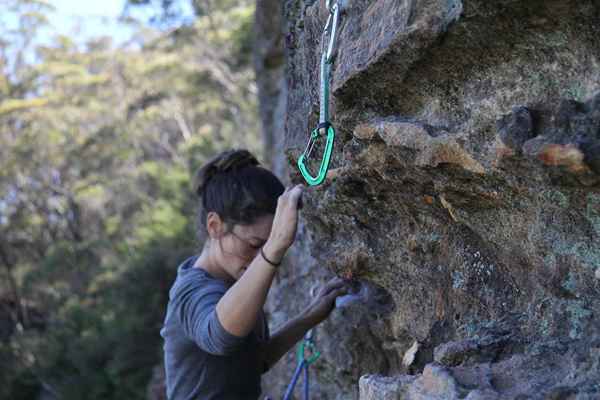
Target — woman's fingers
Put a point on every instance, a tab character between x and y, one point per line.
292	188
295	194
285	221
332	284
291	196
336	293
336	281
285	194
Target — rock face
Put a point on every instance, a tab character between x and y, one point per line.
465	189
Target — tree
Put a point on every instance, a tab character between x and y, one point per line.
98	143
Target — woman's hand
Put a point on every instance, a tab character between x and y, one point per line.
285	223
322	305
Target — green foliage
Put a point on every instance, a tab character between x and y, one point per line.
12	105
98	144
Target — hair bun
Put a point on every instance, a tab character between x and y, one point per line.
227	161
235	159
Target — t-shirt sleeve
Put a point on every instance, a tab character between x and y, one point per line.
196	311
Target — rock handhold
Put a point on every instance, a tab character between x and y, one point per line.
568	139
455	353
516	128
432	150
365	131
435	382
377	387
472	351
566	155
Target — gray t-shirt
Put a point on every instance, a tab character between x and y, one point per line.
203	360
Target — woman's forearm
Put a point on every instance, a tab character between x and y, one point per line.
284	339
238	309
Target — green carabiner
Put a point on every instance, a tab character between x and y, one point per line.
315	354
314	136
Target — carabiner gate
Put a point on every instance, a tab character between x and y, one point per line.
303	160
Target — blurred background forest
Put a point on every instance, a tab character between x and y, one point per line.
98	141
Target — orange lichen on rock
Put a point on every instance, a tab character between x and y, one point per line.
365	131
444	149
567	155
431	151
334	173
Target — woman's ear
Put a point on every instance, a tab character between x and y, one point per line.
214	225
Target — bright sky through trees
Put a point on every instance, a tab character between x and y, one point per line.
89	18
83	20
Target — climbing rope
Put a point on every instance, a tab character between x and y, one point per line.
304	359
303	363
324	127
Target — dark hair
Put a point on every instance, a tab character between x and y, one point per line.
237	188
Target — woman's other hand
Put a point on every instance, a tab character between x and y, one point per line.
285	223
324	302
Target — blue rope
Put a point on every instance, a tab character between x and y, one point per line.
306	382
302	365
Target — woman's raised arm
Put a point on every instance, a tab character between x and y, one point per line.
238	309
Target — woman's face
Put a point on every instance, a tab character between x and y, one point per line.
241	244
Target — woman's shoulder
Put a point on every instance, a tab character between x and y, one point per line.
193	278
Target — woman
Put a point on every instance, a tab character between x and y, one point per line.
216	339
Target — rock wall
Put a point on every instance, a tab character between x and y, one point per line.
464	191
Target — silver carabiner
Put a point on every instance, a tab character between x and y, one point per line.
309	335
311	144
335	15
335	8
